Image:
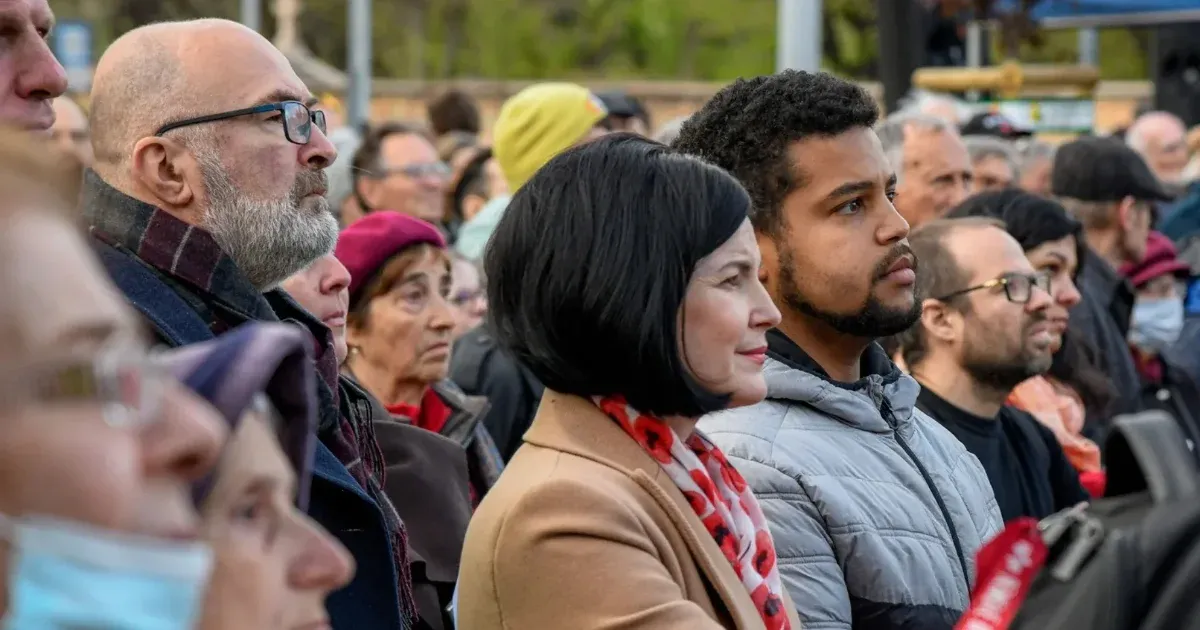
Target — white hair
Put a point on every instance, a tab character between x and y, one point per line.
1137	136
891	132
984	147
1030	151
919	101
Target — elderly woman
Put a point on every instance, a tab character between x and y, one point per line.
1074	388
428	473
1156	322
99	447
399	330
274	565
625	276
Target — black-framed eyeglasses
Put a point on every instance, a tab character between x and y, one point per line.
298	119
1018	287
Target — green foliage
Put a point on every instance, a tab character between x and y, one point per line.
1123	51
714	40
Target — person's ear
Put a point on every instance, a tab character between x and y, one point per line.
166	170
471	205
768	270
1127	212
371	191
941	322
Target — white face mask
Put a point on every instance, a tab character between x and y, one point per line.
1156	324
66	575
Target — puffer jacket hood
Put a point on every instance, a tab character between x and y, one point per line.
792	378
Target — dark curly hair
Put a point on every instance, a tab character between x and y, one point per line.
747	127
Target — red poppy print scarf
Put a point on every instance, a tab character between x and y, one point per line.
720	497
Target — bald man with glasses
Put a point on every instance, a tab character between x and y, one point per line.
208	190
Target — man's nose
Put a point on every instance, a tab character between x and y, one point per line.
1039	300
319	152
40	76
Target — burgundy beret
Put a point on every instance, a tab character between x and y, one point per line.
1161	259
365	245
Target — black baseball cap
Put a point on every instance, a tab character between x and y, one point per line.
995	125
621	105
1103	169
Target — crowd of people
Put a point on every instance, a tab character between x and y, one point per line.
782	363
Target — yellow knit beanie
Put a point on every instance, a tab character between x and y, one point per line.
538	123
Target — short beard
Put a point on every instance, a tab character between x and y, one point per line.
1001	374
871	321
1000	377
270	240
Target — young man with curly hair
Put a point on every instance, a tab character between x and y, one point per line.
877	511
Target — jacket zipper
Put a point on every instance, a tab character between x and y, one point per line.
937	496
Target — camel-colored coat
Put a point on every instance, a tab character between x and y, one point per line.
585	531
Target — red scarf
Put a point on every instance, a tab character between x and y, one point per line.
720	497
432	415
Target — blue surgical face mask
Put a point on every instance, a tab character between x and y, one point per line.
1156	324
66	575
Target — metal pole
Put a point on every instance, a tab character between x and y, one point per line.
1089	47
359	55
974	51
798	35
252	14
901	47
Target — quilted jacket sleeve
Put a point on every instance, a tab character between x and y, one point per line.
807	563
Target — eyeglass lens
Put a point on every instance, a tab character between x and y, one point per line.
298	122
430	169
1019	288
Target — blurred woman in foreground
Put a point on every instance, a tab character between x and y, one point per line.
625	276
274	565
99	444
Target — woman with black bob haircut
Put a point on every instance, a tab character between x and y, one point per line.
1074	392
625	276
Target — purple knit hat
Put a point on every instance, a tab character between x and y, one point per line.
254	358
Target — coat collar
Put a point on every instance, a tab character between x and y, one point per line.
573	425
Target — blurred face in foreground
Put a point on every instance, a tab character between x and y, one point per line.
93	432
274	565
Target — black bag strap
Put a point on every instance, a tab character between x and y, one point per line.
1147	451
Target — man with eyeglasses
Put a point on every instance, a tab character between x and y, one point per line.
397	168
983	329
208	191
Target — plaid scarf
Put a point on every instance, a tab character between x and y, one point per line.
189	259
720	497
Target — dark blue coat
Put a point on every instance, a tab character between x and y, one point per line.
337	502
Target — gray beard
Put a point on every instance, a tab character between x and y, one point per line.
270	240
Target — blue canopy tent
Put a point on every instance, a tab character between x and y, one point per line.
1085	13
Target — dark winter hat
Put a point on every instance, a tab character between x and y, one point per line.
257	358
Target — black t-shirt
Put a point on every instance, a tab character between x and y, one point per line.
1029	472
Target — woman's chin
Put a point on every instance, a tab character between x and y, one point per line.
748	394
435	371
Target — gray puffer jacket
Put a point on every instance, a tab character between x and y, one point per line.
876	510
